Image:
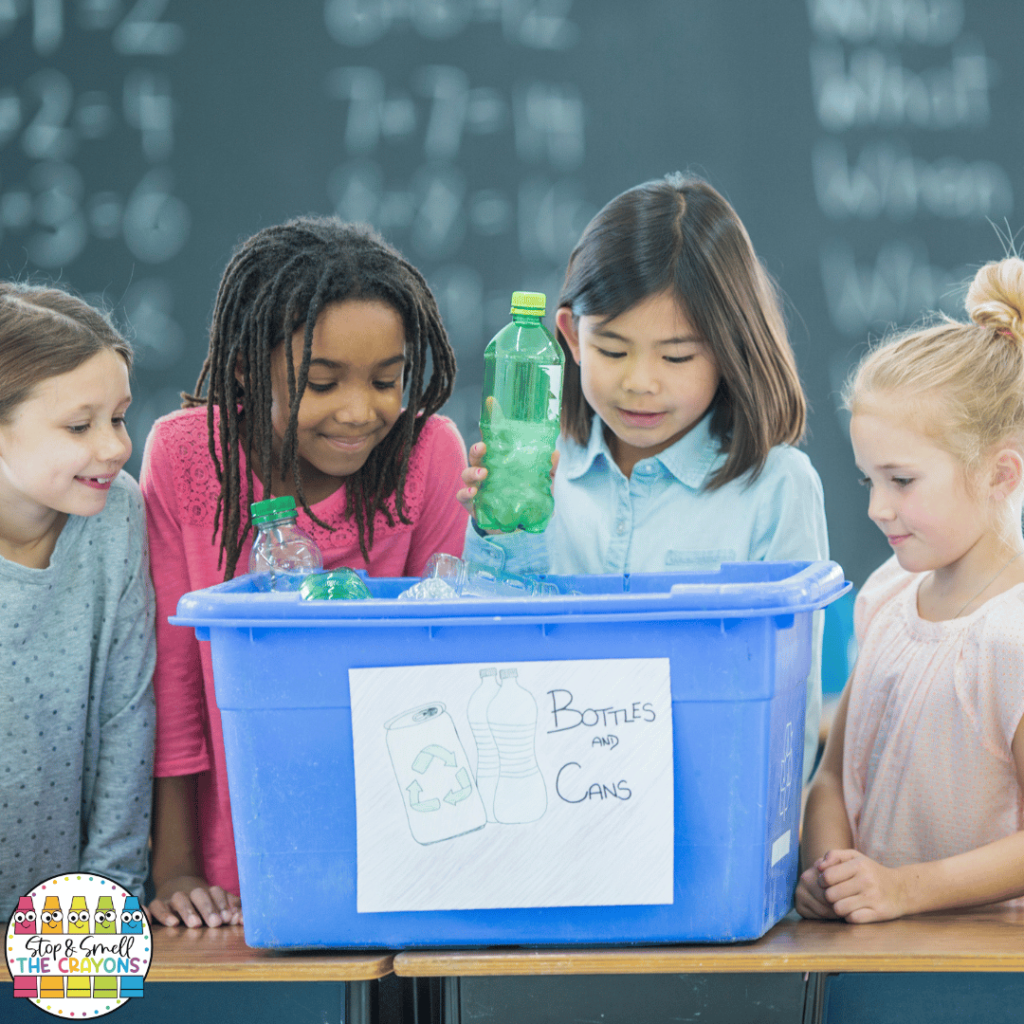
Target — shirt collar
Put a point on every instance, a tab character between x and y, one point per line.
690	460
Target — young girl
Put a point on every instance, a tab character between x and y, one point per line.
76	606
919	801
319	330
680	403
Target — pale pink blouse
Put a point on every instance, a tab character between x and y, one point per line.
927	766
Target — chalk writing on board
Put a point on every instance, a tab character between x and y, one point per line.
863	83
66	138
460	124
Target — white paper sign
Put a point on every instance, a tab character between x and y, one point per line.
525	784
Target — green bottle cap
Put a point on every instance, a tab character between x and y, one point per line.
271	509
531	303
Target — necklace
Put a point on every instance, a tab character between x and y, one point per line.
989	584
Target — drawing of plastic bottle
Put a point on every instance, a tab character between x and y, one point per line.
486	748
520	795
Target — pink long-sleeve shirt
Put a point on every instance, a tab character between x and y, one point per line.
180	488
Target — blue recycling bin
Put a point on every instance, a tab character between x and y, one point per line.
737	643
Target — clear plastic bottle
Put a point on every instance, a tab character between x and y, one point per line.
486	748
282	554
520	795
468	579
519	420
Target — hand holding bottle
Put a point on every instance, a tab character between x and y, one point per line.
520	417
476	472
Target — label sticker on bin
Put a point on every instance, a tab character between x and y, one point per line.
521	784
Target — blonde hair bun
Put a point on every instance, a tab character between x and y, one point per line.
995	298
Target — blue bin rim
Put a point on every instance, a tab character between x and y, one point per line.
804	586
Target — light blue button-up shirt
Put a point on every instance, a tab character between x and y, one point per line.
661	518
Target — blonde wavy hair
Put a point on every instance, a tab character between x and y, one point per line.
962	383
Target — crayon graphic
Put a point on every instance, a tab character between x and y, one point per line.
26	987
25	917
78	919
131	986
52	918
51	986
106	917
105	986
131	917
79	986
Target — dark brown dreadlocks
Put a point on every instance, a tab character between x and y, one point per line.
277	281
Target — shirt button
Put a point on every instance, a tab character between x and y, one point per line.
621	527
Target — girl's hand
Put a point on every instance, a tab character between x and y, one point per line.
860	889
810	897
189	900
472	476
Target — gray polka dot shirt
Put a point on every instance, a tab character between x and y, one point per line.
77	651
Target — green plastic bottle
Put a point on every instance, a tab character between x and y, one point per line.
519	420
342	584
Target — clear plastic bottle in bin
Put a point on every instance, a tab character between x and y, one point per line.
469	579
447	576
519	420
282	555
520	795
486	748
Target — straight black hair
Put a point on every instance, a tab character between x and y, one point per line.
677	234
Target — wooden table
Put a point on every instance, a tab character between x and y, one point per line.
807	951
970	941
220	954
186	956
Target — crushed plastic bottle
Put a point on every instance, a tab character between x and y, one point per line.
430	588
519	420
342	584
447	576
282	555
520	795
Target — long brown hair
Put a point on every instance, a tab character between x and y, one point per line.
281	279
678	234
46	332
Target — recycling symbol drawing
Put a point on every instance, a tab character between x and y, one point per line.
460	788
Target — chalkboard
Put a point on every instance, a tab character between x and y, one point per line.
872	148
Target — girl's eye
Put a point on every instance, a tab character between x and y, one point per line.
902	481
119	421
865	481
319	388
385	385
611	355
678	359
78	428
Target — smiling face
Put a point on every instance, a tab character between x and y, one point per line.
62	447
353	393
920	496
25	922
646	373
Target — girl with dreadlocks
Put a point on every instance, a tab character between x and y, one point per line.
319	330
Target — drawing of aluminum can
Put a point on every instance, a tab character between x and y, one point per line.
437	787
